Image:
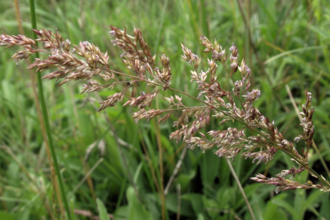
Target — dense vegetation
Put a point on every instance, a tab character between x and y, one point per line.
109	161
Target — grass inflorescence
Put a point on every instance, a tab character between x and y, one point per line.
216	101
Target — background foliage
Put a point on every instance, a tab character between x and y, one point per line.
285	44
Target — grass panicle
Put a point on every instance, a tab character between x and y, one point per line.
87	63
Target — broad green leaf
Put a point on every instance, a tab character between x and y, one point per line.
279	200
313	198
325	204
210	206
136	209
184	179
121	213
273	211
299	198
103	214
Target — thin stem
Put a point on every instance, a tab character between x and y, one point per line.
178	188
161	170
18	17
45	117
176	170
42	124
87	175
241	188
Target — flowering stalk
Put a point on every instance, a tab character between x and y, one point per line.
26	53
86	61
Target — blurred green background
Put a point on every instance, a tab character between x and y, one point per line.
285	43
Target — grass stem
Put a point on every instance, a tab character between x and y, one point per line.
46	119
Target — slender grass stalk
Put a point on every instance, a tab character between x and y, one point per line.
39	113
178	189
86	176
18	17
152	170
72	209
161	181
45	117
240	188
176	169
